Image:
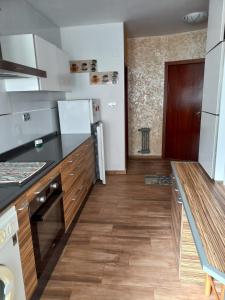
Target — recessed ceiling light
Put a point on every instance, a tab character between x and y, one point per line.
196	17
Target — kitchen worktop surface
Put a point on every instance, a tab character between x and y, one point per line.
204	204
54	150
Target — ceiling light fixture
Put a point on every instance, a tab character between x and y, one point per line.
196	17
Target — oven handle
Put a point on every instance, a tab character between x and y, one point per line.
45	215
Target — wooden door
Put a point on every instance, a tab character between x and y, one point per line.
182	109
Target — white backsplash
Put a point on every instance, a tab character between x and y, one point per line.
41	106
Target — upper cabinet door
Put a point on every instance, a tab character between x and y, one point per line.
213	80
19	49
47	60
216	23
64	76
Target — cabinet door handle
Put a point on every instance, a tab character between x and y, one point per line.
70	161
72	174
25	205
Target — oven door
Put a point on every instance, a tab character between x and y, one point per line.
47	226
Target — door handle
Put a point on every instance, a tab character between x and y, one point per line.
198	113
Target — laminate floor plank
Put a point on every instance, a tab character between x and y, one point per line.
122	246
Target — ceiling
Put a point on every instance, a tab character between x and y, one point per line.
142	17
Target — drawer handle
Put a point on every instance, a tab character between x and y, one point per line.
73	199
70	161
179	200
72	174
25	205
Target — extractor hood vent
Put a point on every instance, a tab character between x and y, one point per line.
11	70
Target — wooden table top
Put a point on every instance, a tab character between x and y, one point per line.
204	203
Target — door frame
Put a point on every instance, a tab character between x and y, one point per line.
167	64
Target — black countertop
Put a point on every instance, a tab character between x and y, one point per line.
55	150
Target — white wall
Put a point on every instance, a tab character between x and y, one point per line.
105	43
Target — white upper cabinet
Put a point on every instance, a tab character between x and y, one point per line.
37	53
47	60
64	77
19	49
213	80
216	23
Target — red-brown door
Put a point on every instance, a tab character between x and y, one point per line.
182	117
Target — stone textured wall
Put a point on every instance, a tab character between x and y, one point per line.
146	60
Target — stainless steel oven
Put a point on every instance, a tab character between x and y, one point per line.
47	221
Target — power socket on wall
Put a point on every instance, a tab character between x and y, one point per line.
26	117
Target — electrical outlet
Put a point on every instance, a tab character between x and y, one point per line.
26	117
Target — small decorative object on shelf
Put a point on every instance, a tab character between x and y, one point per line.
104	78
83	66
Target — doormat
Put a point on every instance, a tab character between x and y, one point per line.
158	179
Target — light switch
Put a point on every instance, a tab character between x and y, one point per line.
112	104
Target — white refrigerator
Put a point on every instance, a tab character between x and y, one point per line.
84	116
212	135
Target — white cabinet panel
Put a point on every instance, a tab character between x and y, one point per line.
208	141
64	76
47	60
19	49
216	23
213	79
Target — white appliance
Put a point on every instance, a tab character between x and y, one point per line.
212	136
11	278
84	116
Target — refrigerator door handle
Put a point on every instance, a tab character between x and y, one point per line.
101	155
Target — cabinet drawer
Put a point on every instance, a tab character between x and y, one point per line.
73	199
70	175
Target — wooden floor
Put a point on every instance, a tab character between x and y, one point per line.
122	248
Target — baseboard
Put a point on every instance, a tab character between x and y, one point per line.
116	172
143	157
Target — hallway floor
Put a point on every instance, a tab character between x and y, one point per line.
121	247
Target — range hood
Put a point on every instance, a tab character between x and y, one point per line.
13	70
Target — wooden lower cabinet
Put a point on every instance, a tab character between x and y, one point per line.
26	247
176	214
78	175
189	266
190	270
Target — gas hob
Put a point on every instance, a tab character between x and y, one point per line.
19	172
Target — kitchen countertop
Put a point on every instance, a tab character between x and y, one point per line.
55	150
204	204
